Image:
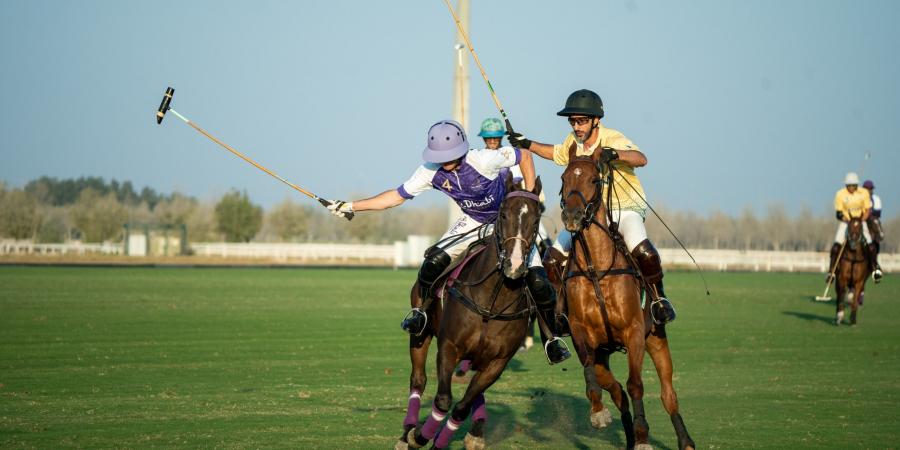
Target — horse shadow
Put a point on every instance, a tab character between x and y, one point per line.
565	414
810	317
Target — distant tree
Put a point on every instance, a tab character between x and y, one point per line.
98	217
289	221
237	218
54	228
175	210
19	217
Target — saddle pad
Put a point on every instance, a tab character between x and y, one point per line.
454	274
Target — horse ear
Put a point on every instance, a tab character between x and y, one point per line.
572	149
537	186
508	181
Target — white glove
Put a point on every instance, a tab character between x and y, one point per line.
341	208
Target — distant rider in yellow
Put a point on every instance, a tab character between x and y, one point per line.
851	202
584	109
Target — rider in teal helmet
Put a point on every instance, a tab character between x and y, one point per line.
492	131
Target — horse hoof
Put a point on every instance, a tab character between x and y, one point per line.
601	419
643	447
400	445
411	439
473	442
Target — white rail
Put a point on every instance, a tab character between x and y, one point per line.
409	254
11	247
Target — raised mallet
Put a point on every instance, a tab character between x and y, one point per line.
161	114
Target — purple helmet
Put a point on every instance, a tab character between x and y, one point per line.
446	142
869	185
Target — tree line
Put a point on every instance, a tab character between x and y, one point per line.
49	210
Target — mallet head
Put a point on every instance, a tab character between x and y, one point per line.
164	106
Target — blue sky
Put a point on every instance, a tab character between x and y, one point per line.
735	103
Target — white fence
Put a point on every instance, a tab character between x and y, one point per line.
10	247
762	261
409	254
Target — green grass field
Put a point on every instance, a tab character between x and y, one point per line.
314	358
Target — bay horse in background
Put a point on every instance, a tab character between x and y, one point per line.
602	289
481	315
853	268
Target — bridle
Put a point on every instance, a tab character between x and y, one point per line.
499	241
590	207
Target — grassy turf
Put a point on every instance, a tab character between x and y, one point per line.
314	358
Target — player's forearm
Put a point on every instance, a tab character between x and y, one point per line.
384	200
543	150
527	166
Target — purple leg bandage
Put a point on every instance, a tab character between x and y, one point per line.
434	421
464	366
412	408
479	410
447	434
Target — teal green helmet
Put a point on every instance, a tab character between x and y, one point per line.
492	127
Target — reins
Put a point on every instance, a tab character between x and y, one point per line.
488	314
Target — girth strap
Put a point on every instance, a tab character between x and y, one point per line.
487	314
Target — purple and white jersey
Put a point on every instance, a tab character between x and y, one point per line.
475	185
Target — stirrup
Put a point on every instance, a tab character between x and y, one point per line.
406	323
660	303
564	355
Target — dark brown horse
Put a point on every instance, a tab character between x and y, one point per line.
602	292
853	268
482	317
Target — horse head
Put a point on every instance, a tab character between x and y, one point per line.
854	233
580	195
517	226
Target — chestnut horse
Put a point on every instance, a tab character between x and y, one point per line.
482	318
603	293
852	271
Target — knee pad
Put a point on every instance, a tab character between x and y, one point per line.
648	259
436	261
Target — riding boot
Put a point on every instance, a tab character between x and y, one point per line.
835	250
873	260
661	308
545	298
555	264
436	261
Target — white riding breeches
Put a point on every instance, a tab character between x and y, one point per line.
631	226
466	224
841	236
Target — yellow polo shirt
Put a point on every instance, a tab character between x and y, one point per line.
628	190
852	205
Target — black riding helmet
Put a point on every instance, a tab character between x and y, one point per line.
583	103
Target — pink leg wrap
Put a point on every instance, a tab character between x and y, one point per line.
465	365
434	421
412	408
479	410
447	434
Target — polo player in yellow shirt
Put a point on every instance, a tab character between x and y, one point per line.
851	202
584	109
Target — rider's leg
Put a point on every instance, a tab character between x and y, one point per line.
873	254
437	259
545	297
557	255
631	225
651	268
839	238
